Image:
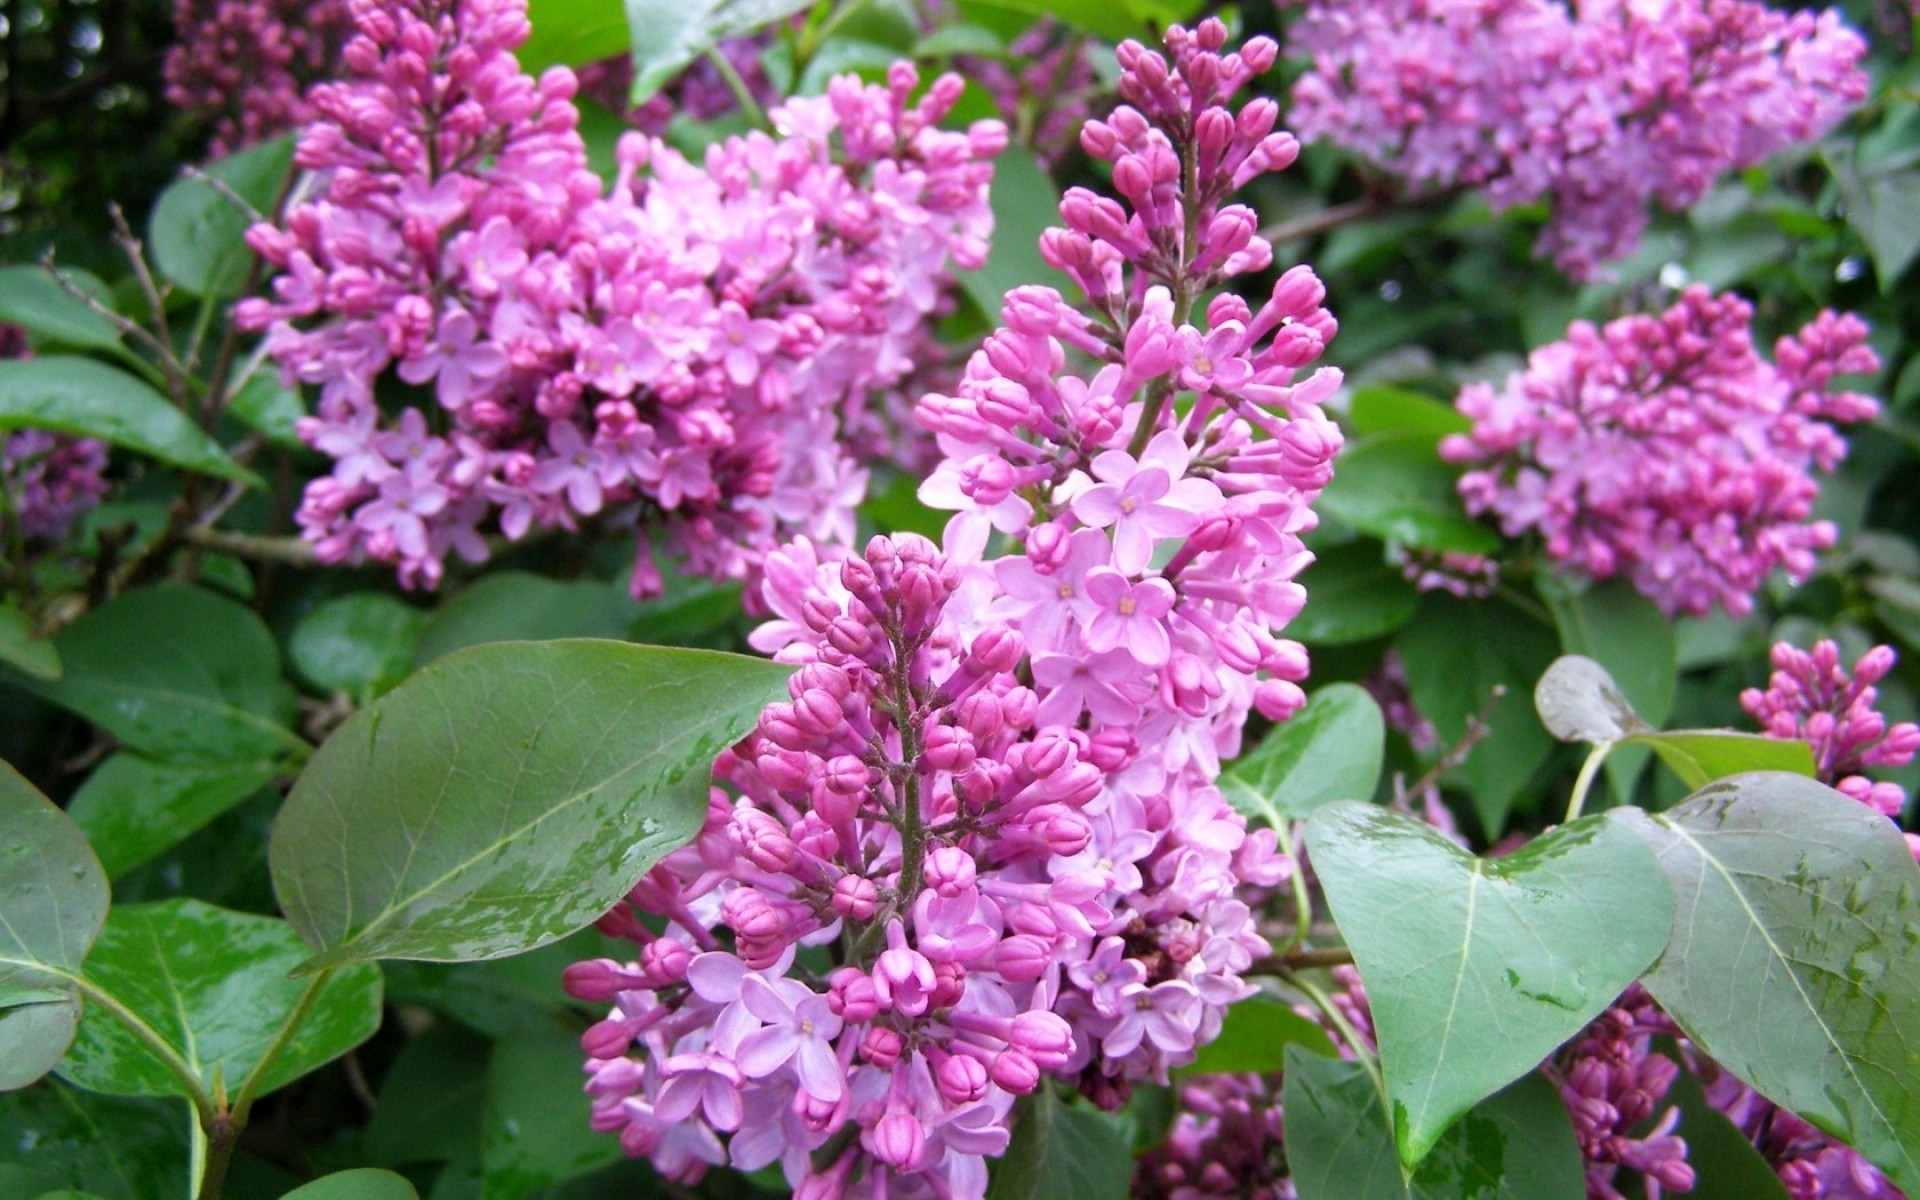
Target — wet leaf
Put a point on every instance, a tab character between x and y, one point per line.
1700	756
214	985
55	900
30	298
361	644
215	695
1516	1145
133	808
535	1129
506	795
1795	959
1478	968
1578	701
115	1148
90	399
514	606
1330	750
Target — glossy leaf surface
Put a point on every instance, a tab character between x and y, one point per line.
1062	1151
1478	968
1330	750
361	644
30	298
214	985
199	232
111	1146
1795	959
90	399
133	808
1254	1039
535	1130
506	796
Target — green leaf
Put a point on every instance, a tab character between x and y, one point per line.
1063	1152
133	808
23	651
1795	959
1353	595
118	1149
214	695
1456	653
361	644
1516	1145
361	1183
1578	701
214	984
536	1132
1330	750
1700	756
1107	20
1881	210
1025	202
514	606
1395	487
1254	1040
1725	1163
30	298
1478	968
506	796
573	33
198	234
670	34
431	1098
502	996
56	900
270	410
1381	409
90	399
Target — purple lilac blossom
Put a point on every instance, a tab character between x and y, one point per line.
1664	449
692	353
46	479
1019	870
1598	108
245	65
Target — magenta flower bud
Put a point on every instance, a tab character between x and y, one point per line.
783	769
764	840
664	961
1066	832
988	479
778	726
999	648
949	984
980	715
847	775
1050	751
961	1078
881	1046
851	996
599	981
1045	1036
949	871
836	808
898	1140
947	748
818	713
1213	130
855	898
762	929
1015	1071
606	1039
1022	958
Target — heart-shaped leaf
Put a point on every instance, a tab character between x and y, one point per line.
514	606
1330	750
1795	958
506	795
1627	633
215	695
1516	1145
214	985
76	395
1578	701
56	899
1478	968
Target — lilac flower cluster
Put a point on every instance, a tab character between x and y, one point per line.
1666	450
1811	697
245	65
49	479
1598	108
1226	1143
1612	1081
1810	1164
982	844
690	352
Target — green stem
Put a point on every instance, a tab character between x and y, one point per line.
150	1038
249	1091
1302	902
742	94
1368	1060
1584	781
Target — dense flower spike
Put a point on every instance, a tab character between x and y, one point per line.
245	65
46	479
1813	698
982	844
1600	109
1613	1082
1666	450
1810	1164
1225	1144
690	351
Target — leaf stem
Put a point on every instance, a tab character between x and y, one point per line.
1583	783
742	94
149	1038
1363	1054
1302	901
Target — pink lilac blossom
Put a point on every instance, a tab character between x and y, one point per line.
692	353
1811	697
46	479
1664	449
1225	1144
1613	1081
982	845
1044	86
1463	575
245	65
1599	108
